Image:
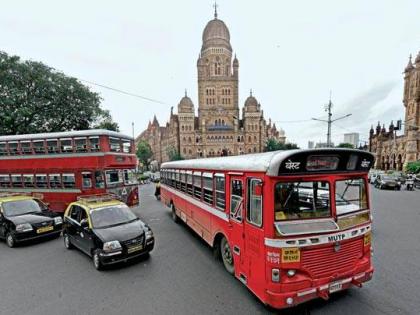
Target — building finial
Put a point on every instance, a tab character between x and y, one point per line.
250	92
185	92
215	9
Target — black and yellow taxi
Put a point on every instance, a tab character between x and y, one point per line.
106	229
25	218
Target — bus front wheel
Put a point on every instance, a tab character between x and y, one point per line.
227	257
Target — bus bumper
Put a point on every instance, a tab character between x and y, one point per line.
290	299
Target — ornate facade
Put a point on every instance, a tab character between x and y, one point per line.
394	152
219	128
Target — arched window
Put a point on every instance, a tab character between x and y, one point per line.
255	149
215	122
189	139
249	139
189	151
184	150
239	139
217	68
223	122
182	128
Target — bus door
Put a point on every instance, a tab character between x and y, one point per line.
253	231
236	219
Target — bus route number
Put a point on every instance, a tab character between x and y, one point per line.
289	255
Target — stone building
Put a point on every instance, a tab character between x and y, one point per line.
220	128
392	151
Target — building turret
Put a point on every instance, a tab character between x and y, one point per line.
235	67
378	128
391	127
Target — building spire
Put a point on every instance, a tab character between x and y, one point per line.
215	9
250	92
185	92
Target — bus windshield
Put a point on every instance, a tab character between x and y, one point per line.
350	195
302	200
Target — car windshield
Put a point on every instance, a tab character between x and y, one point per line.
20	207
350	195
302	200
110	216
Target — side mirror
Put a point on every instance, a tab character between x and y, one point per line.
84	223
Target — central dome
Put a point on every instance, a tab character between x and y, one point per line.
216	29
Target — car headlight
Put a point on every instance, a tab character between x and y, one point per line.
111	246
149	234
25	227
58	220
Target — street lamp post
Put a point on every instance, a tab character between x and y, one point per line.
329	121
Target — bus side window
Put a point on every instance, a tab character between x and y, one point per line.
4	180
99	179
236	204
17	181
55	180
69	181
94	144
197	185
86	180
208	188
254	204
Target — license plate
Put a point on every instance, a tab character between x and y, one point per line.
334	287
133	249
44	229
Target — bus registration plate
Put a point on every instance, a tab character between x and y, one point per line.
334	287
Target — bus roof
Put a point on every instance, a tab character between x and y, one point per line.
274	163
77	133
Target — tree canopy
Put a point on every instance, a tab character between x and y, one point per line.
173	154
37	98
413	167
345	145
274	145
144	152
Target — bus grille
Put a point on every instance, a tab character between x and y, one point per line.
325	261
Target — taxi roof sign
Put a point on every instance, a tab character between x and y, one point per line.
97	198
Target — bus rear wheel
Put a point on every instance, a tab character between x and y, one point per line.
175	217
226	254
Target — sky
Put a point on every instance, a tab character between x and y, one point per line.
291	54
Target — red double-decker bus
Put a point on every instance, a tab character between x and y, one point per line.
290	225
64	165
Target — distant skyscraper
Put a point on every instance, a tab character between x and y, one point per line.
319	145
352	138
310	144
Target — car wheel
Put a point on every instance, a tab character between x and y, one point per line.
10	240
175	217
97	261
67	242
227	257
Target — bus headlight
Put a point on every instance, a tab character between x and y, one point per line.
111	246
25	227
291	272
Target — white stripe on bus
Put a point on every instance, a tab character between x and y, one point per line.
60	155
317	240
41	190
199	204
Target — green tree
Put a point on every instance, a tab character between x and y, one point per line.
173	154
144	152
274	145
106	122
36	98
345	145
413	167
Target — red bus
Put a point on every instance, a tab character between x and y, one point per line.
64	165
290	225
